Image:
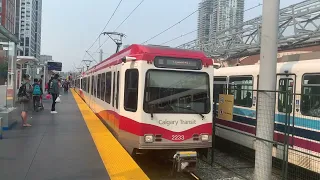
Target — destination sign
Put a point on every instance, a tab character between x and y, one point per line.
178	63
56	66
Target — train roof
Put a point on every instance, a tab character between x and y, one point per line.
148	53
291	67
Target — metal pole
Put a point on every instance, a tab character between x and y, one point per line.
44	77
267	77
101	55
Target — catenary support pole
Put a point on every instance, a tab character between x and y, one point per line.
101	55
267	84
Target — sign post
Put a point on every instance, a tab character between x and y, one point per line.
225	109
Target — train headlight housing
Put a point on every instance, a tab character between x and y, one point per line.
204	137
148	138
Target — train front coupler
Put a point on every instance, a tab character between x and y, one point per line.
185	161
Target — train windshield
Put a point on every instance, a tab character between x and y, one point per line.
177	92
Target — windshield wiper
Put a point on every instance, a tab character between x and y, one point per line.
202	116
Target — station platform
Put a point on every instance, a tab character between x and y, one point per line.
73	144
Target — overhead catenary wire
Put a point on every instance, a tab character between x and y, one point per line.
171	26
205	36
179	36
122	22
106	25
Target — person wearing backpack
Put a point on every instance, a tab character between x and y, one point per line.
54	90
24	96
37	93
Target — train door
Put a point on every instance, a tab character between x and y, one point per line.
115	98
284	118
219	87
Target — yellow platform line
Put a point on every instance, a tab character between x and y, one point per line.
116	159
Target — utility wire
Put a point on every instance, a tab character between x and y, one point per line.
205	36
106	25
172	26
122	23
179	37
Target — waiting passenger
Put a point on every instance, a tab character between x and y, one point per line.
248	100
54	91
24	96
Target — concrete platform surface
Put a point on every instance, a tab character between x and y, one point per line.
57	146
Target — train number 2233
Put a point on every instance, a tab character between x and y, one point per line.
177	137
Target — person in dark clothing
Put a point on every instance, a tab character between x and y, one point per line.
54	91
49	84
65	86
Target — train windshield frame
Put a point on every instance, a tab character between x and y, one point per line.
176	92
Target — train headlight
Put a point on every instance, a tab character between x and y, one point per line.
148	138
204	137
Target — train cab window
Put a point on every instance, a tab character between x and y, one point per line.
241	88
310	95
107	97
219	87
98	87
117	92
103	86
185	93
131	90
285	95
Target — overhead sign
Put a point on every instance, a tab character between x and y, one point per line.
178	63
54	66
225	109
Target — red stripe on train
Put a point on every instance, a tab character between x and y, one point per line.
296	141
140	129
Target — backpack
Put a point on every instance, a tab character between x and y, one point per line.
36	90
22	94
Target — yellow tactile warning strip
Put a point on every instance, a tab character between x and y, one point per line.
116	159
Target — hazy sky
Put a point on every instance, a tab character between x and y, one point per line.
69	27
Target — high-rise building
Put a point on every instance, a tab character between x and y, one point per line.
205	10
217	15
7	14
30	13
45	58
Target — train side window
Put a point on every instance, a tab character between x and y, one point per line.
89	82
108	88
113	87
285	99
98	87
95	86
219	87
84	84
117	92
92	82
131	90
241	88
81	83
310	95
103	87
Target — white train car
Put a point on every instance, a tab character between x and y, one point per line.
153	98
302	78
